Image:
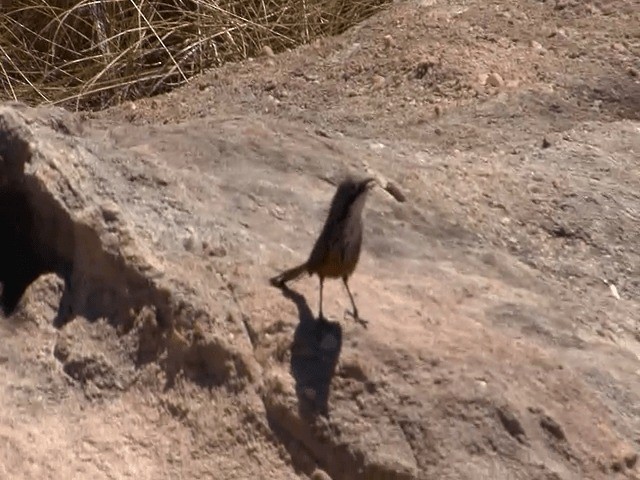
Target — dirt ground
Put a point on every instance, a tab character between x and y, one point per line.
502	296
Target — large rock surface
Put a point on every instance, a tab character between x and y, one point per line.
142	339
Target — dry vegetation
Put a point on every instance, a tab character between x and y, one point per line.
96	53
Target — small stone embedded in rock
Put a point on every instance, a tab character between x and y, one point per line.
511	423
631	459
553	427
545	143
189	243
378	81
319	474
424	67
110	211
535	45
495	80
389	41
627	458
218	251
618	47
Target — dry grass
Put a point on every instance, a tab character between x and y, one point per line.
96	53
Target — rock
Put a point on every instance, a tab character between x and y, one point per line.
378	81
592	9
110	211
552	427
482	78
106	253
624	458
189	243
535	45
511	424
40	302
388	416
279	383
217	251
267	51
618	47
319	474
631	459
545	143
389	41
424	67
495	80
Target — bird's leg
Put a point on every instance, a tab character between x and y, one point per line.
320	316
353	303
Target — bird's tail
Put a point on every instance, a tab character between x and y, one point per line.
288	275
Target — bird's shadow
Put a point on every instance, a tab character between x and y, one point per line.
314	356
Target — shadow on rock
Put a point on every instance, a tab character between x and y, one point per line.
314	356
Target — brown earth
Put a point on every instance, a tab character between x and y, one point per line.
502	296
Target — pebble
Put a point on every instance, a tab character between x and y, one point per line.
267	51
389	41
495	80
189	243
378	81
535	45
618	47
110	211
319	474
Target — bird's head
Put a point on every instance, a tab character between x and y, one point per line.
353	187
352	193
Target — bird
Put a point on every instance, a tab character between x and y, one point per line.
336	251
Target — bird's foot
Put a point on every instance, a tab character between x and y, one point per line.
277	282
357	318
362	321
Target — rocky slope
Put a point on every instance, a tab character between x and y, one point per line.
502	295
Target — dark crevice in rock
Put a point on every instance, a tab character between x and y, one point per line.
39	237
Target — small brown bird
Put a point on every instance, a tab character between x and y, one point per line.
337	249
